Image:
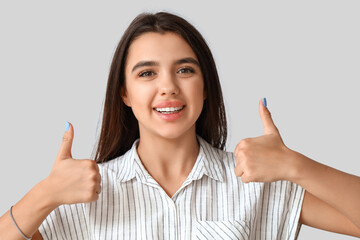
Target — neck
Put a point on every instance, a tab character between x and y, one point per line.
167	158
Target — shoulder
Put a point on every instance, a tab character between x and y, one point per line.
210	151
112	168
120	167
112	165
227	158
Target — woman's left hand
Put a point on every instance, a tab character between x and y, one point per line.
264	158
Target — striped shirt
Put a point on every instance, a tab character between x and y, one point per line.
212	203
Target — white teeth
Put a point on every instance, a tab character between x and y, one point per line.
171	109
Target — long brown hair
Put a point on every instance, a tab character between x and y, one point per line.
120	127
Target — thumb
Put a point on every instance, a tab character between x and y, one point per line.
265	115
65	148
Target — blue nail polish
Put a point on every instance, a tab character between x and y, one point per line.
264	102
67	126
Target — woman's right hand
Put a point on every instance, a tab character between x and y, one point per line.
73	180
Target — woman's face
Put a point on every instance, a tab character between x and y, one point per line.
162	71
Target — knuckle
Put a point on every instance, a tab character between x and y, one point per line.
245	179
245	143
90	164
238	171
93	176
96	197
66	138
91	195
243	154
92	186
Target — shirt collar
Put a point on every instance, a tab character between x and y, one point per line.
208	162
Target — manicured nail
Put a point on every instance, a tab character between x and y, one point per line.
67	126
264	102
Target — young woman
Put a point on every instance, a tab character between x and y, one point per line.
160	170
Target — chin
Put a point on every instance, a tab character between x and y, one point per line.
172	131
172	134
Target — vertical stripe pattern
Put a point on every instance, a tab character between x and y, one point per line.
212	203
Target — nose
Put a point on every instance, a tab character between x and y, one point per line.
168	85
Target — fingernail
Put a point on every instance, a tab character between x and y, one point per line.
264	102
67	126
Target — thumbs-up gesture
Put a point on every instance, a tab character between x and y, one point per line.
264	158
72	180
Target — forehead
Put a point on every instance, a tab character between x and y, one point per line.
161	47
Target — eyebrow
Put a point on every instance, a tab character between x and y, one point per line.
154	63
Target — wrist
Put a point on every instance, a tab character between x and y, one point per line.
47	195
300	167
33	208
294	170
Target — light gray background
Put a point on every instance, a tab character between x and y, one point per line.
304	57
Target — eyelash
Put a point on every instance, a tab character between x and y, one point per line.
146	72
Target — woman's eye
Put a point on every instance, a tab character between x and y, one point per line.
149	73
186	70
146	74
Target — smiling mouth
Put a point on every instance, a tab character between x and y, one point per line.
170	110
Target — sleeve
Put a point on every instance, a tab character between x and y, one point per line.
65	222
294	196
276	211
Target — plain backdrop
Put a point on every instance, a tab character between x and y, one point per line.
303	56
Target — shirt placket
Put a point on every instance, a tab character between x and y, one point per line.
175	217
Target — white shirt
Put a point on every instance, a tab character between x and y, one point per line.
212	203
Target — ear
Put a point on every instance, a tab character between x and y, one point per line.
204	94
124	97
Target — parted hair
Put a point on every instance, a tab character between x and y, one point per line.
119	127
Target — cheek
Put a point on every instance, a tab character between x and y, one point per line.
141	97
195	92
198	91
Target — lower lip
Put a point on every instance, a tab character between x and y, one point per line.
170	117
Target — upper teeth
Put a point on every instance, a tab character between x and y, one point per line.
171	109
